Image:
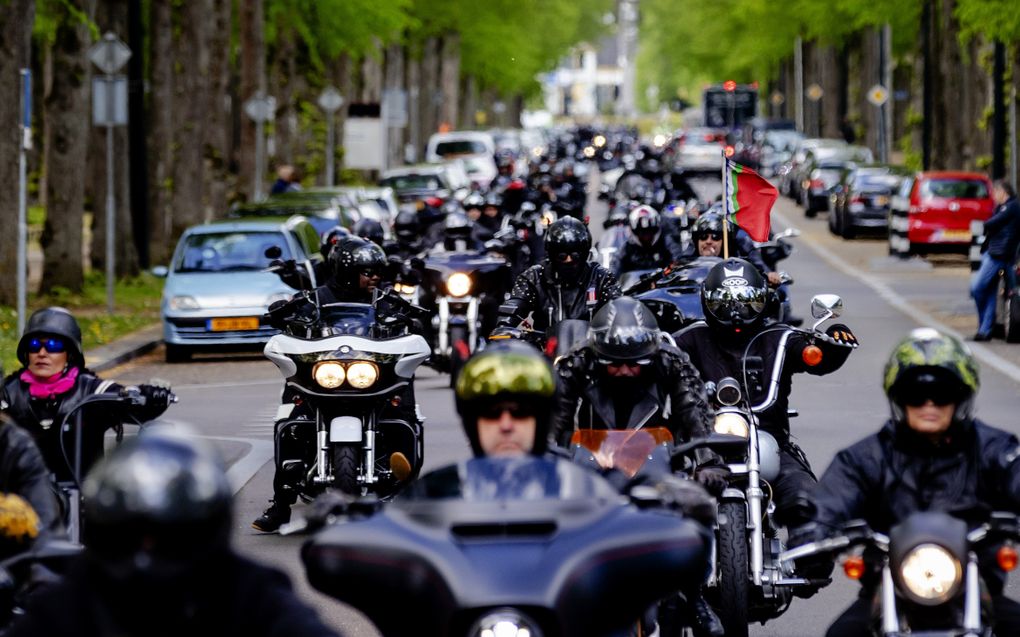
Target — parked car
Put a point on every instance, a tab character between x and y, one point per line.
700	150
324	212
415	183
861	199
792	173
823	168
217	289
939	207
477	149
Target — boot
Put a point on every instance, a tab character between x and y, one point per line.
272	518
704	621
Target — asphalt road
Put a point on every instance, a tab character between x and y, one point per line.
232	399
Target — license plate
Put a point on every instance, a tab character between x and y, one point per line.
956	235
879	202
234	324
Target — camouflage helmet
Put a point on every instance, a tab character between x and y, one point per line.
928	355
506	370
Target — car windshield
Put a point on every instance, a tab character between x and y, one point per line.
460	147
229	251
955	188
414	182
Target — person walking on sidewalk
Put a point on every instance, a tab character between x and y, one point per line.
1002	237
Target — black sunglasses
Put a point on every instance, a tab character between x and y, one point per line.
940	394
370	273
715	236
494	412
563	257
52	345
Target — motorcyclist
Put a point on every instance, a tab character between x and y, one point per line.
408	241
53	381
370	230
296	277
565	285
458	235
931	455
648	247
158	560
707	241
23	472
735	299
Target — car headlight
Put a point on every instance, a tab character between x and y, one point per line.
362	374
599	140
732	424
329	374
659	140
184	303
459	284
930	574
589	151
505	622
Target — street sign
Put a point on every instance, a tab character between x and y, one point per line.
365	143
110	100
330	100
260	108
814	92
878	95
394	108
777	98
109	54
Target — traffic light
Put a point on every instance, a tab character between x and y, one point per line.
730	85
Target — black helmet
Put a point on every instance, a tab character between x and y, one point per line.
734	295
567	236
711	223
157	508
55	321
406	226
474	200
370	230
931	363
506	370
457	226
330	238
624	330
351	257
645	223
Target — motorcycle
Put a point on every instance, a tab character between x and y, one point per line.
927	570
22	574
520	547
465	290
749	582
350	370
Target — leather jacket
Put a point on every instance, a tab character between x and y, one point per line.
535	291
23	472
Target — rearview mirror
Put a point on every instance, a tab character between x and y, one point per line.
273	252
160	271
790	232
826	306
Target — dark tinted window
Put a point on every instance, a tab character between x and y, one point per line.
459	147
955	188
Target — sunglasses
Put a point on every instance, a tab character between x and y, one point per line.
52	345
714	236
370	274
564	257
495	412
921	396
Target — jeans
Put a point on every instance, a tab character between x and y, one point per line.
983	288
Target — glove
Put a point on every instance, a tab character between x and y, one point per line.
714	479
156	397
841	335
815	567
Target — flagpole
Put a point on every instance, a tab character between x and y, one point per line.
726	205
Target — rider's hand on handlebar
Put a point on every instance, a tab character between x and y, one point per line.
775	280
156	396
841	335
714	479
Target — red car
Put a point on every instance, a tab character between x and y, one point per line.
940	206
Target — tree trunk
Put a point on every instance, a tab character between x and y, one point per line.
470	102
345	84
372	75
282	77
449	80
414	94
67	111
219	180
394	81
252	81
429	97
161	122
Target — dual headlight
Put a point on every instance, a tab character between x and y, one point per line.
505	622
732	424
459	284
405	288
358	374
930	574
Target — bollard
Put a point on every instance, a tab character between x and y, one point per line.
977	240
899	241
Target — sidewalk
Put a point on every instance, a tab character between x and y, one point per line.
125	348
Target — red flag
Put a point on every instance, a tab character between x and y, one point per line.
749	199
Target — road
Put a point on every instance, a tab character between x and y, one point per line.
232	399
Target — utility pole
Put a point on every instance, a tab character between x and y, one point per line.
798	83
25	144
137	127
928	80
999	112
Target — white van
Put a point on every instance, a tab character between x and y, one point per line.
476	149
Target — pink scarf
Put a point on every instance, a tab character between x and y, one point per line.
49	387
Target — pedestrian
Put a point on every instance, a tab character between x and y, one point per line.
286	180
1002	237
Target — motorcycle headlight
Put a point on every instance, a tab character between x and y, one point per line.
459	284
505	622
731	424
930	574
184	303
329	374
404	288
362	374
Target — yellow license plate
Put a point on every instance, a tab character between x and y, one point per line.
235	324
956	235
881	201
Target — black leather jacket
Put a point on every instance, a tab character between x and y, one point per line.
23	471
42	418
1002	231
536	292
634	256
669	393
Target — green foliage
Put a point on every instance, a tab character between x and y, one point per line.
993	19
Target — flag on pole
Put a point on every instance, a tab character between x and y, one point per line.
748	198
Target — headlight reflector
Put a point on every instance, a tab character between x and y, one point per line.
930	574
184	303
732	424
459	284
329	374
362	374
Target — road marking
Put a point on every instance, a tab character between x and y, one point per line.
259	453
894	299
250	383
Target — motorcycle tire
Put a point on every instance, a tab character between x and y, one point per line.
346	468
460	351
734	586
1011	318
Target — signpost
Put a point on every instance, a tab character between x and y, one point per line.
261	108
24	147
109	109
330	102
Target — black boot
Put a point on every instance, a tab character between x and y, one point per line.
272	518
704	621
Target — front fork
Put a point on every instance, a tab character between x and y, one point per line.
972	625
443	328
324	464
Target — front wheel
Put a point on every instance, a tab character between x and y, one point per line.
460	351
734	585
1011	318
345	469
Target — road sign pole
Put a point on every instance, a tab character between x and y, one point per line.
25	141
330	148
260	151
110	215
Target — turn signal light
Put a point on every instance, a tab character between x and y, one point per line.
853	566
729	151
1007	557
812	355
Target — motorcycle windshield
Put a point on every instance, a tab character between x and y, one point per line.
347	318
625	450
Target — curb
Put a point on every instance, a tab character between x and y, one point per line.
126	348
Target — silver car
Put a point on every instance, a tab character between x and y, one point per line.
217	289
